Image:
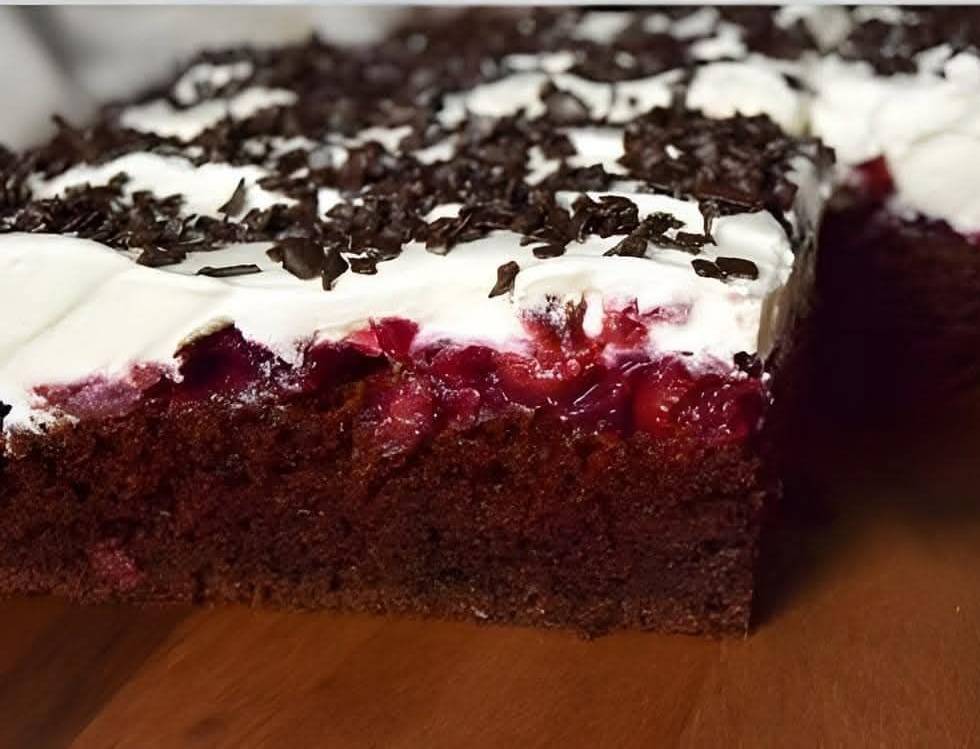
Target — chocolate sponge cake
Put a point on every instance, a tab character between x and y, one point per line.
480	324
899	100
493	319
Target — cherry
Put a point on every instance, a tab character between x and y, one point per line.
460	408
721	408
221	362
407	416
526	381
395	337
365	341
657	388
462	365
604	405
100	396
327	366
623	327
876	178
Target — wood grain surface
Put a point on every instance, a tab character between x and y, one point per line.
868	635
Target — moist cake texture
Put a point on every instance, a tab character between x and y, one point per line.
484	321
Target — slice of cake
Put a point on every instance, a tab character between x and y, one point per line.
465	333
899	101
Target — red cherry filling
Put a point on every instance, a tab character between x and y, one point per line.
720	408
605	405
407	414
222	362
327	366
657	389
875	178
100	396
605	384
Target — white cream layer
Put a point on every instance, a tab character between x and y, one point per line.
102	313
162	118
205	188
926	126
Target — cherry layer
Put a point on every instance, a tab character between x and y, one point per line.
874	178
599	383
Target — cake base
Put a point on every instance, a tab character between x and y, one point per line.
899	316
514	520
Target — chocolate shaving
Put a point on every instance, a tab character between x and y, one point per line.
236	203
737	267
229	271
653	229
506	274
563	107
690	242
707	269
155	257
709	212
726	267
751	364
891	47
730	165
366	265
635	245
545	251
334	266
302	257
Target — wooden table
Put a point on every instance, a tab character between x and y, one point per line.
869	635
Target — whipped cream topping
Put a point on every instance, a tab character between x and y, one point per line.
204	188
160	117
522	92
145	314
602	26
720	89
748	87
925	125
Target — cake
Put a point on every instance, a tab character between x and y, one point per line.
482	324
502	318
898	99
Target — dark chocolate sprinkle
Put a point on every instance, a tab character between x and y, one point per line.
563	107
737	267
236	202
229	271
334	266
689	242
300	256
707	269
731	165
366	265
155	257
544	251
506	274
635	245
748	363
891	48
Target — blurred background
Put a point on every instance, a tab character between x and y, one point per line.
66	59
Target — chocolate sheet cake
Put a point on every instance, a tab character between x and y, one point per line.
899	100
490	320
